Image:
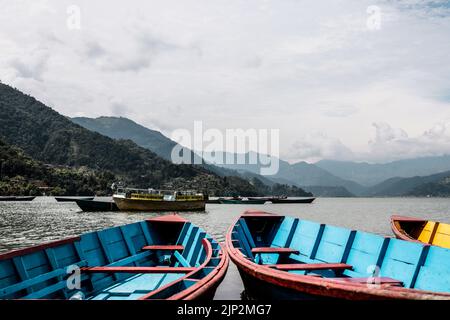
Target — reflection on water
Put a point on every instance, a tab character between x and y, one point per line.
28	223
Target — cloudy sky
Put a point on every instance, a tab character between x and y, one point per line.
349	80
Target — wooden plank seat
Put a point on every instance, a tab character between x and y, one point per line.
274	250
370	280
138	269
164	247
311	266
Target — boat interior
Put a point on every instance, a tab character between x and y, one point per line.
152	259
430	232
332	253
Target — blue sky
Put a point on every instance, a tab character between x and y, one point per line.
313	69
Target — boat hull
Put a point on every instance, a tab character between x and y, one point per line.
309	200
24	198
125	204
72	199
93	206
242	201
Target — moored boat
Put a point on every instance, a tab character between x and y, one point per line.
24	198
281	257
129	199
292	200
421	230
243	201
164	257
17	198
7	198
97	205
72	199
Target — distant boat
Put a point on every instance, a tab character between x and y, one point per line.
128	199
288	200
72	199
18	198
97	205
421	230
283	258
5	198
259	198
164	257
213	201
243	201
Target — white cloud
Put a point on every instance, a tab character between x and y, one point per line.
394	143
300	67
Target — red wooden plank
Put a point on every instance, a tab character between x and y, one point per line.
171	218
274	250
376	280
138	269
164	247
311	266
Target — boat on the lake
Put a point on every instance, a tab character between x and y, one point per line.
259	198
97	205
72	199
128	199
421	230
243	201
292	200
18	198
282	257
7	198
164	257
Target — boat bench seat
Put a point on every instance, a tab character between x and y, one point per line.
311	266
164	247
138	269
370	280
274	250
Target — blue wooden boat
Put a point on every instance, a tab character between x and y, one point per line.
281	257
164	257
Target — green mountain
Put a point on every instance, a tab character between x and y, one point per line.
440	188
21	175
414	186
51	138
123	128
371	174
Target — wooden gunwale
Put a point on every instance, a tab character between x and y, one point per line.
321	286
398	230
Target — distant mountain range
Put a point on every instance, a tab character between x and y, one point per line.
324	178
368	175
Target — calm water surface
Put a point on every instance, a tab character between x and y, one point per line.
28	223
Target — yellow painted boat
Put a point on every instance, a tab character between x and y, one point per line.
158	200
419	230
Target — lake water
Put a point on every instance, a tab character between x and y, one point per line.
24	224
